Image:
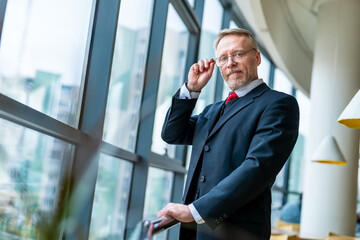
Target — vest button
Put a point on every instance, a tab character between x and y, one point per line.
202	178
207	148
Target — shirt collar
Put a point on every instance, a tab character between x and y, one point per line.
247	88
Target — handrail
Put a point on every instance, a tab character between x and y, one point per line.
150	227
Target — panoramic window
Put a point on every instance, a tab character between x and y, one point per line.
282	82
171	75
127	73
43	55
158	194
111	198
33	169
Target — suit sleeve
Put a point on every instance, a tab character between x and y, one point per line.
179	126
271	145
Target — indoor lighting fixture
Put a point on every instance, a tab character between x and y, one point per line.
350	117
328	152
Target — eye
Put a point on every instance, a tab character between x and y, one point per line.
223	59
238	54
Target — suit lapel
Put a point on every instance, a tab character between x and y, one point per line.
241	103
211	117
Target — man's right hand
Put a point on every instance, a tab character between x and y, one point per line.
200	74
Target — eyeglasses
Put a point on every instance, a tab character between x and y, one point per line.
237	57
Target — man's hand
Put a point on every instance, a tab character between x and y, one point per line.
176	211
200	74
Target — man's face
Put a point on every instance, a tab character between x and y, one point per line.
238	74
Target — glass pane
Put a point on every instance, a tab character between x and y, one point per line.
171	75
32	169
42	55
158	194
127	74
233	24
276	204
111	198
281	82
211	26
191	2
298	154
264	69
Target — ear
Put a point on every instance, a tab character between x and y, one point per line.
258	58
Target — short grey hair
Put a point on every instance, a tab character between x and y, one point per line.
235	31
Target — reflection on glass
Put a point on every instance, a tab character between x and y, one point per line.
171	76
127	73
281	82
211	26
111	198
158	194
32	169
42	55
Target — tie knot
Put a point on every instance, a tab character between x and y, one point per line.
231	97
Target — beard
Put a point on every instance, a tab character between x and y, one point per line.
237	80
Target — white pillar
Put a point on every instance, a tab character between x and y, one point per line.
330	191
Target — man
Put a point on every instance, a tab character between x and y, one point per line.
238	147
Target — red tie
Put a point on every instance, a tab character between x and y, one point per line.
231	97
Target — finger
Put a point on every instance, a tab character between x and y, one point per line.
201	65
212	66
165	220
163	212
195	68
206	63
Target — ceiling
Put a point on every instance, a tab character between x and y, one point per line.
287	29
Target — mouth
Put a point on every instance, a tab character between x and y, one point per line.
234	72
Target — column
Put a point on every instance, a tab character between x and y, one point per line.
330	191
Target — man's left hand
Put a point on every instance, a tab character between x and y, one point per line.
176	211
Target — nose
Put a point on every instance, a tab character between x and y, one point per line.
230	62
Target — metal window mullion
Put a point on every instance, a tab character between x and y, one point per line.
288	166
3	4
187	15
272	75
166	163
85	165
176	196
117	152
199	9
147	115
26	116
178	180
286	180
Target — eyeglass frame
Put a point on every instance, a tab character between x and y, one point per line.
242	55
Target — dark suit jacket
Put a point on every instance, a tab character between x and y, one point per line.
242	152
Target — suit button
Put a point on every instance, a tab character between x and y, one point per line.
207	148
225	215
216	221
221	219
202	178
